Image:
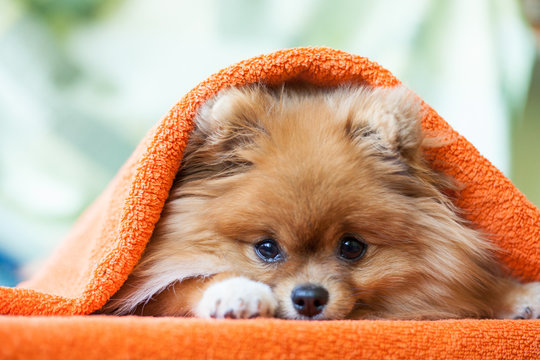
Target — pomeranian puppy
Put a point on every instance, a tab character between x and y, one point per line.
316	203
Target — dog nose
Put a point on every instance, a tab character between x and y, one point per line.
309	299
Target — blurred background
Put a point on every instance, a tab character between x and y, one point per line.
82	81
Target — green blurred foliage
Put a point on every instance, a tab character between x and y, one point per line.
61	15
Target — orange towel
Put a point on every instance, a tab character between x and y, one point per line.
109	238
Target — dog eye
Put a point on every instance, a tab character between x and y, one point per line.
268	250
352	247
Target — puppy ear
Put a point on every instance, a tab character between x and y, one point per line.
390	117
225	126
232	119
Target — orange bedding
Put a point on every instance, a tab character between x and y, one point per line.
109	238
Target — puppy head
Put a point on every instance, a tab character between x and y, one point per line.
323	195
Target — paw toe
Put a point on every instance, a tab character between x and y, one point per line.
527	313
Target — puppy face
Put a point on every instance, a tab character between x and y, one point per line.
322	192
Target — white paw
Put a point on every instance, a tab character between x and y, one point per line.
524	303
237	298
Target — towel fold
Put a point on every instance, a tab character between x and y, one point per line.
107	337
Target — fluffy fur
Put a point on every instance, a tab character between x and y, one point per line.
304	167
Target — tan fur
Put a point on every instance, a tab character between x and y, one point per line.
305	166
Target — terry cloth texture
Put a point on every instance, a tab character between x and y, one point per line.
109	238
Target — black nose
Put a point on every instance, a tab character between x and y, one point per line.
309	299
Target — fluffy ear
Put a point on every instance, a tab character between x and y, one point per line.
389	115
225	126
232	118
